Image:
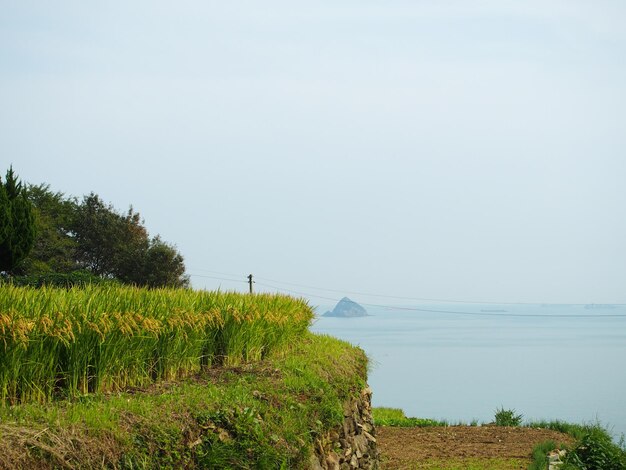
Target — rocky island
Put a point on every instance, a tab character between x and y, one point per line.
347	308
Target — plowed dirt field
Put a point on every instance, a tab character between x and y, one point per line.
461	447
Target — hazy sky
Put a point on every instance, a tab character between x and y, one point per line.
449	149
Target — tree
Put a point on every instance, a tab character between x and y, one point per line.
17	223
164	266
108	243
118	246
54	250
89	237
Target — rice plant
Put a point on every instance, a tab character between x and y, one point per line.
105	338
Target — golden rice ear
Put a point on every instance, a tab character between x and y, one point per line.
140	335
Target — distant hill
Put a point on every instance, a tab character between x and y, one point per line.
347	308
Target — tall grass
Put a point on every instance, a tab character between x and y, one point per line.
106	338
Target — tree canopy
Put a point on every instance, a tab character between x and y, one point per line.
54	250
17	223
92	237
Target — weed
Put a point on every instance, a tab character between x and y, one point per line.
597	450
507	417
593	450
540	452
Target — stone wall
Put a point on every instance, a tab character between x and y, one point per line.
353	445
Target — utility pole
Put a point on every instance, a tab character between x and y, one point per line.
250	282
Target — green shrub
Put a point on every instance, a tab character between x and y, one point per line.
507	417
62	280
596	450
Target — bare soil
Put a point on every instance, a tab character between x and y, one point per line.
461	447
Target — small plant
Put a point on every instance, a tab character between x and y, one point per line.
540	454
597	450
507	417
594	448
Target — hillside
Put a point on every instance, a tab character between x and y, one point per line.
262	415
134	378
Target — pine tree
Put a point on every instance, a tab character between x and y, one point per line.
17	223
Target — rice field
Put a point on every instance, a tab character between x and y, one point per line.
70	342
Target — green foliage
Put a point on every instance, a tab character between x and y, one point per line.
92	236
384	414
17	223
539	456
54	250
507	417
577	431
107	242
239	433
162	266
64	280
246	417
596	450
105	338
395	417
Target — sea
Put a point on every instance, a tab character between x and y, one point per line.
463	362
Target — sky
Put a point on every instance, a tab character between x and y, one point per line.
462	150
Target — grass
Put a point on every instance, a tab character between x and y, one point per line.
70	342
540	454
594	448
263	415
395	417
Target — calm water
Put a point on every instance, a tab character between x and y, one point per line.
463	367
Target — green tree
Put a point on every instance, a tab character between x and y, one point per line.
17	223
163	266
54	250
78	239
117	246
108	244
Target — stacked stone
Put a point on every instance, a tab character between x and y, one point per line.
555	459
353	445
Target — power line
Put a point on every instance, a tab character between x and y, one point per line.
296	292
214	272
524	315
419	299
457	312
215	277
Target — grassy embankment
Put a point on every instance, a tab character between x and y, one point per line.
133	378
